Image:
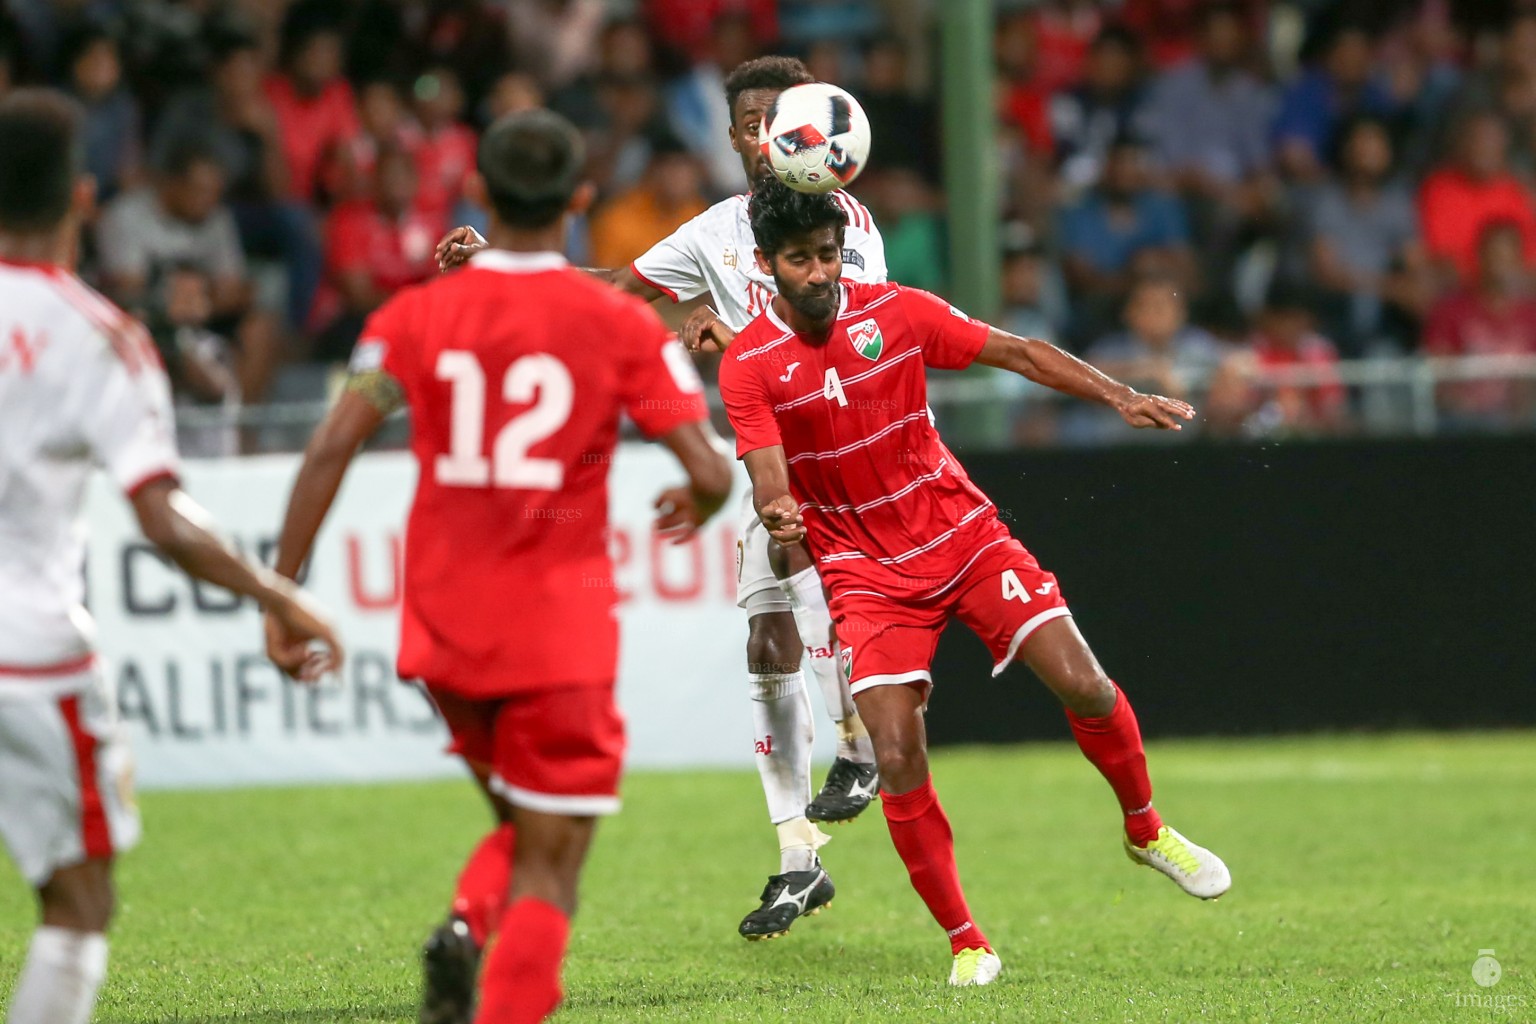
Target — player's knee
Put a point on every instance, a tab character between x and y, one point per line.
903	766
773	644
1088	692
80	898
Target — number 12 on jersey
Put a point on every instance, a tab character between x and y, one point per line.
539	378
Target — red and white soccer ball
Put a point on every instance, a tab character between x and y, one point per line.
817	137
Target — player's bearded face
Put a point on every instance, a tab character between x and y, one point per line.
807	273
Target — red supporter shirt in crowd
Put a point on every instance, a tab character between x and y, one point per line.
395	253
1455	208
1468	325
1314	403
515	370
887	507
311	128
444	160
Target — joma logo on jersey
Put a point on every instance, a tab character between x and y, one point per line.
867	339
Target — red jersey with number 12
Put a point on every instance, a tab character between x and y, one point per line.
515	370
887	506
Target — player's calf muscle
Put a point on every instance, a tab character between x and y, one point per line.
773	644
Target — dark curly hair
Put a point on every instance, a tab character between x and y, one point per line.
531	162
779	213
776	73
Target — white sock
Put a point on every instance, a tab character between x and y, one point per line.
814	621
781	719
799	840
58	983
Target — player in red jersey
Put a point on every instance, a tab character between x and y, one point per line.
827	394
515	372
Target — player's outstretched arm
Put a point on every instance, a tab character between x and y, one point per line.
780	513
1046	364
351	421
456	247
684	509
182	530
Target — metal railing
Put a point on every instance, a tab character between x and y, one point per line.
1385	396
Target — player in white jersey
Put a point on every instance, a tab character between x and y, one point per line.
786	610
81	388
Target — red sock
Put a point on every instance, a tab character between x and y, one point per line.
520	983
482	891
927	846
1113	744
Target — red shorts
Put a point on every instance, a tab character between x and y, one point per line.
1003	597
558	750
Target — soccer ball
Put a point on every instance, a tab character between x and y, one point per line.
817	138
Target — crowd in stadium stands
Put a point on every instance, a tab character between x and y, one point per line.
1191	189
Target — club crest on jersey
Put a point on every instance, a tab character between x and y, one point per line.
867	339
845	656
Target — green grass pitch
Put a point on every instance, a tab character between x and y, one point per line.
1369	872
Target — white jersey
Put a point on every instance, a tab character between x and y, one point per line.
81	386
713	253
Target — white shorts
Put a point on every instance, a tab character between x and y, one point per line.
68	789
758	590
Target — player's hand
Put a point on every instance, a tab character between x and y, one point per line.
782	518
678	513
704	331
457	246
300	639
1155	411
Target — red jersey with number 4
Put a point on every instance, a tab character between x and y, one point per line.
515	370
887	507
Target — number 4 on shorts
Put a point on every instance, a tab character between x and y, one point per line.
1012	588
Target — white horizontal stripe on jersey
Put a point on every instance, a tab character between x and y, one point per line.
843	556
931	594
775	343
862	442
913	485
848	382
882	300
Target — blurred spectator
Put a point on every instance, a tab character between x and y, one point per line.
619	146
902	125
1461	198
232	119
691	26
1159	348
196	359
1364	240
1209	121
696	110
178	221
1110	103
513	93
1022	100
316	115
1064	30
445	154
670	194
1323	97
624	52
555	39
1158	351
824	59
906	211
1034	301
1494	315
476	38
47	24
383	123
373	248
1170	30
113	151
1286	338
1117	229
